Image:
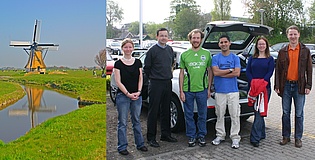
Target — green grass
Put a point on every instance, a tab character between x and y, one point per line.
80	134
9	93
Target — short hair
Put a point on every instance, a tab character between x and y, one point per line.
125	41
267	51
224	36
161	29
195	31
293	27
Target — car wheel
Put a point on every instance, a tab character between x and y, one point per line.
313	59
113	93
177	115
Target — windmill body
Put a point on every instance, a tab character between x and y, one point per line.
35	50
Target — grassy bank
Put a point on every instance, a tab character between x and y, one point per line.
80	134
9	93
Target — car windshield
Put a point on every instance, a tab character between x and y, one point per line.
237	37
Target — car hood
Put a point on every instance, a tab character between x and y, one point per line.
242	34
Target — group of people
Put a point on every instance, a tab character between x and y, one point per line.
198	71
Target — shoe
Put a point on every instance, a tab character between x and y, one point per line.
124	152
255	144
298	143
168	139
201	141
217	141
235	143
153	143
143	149
284	141
191	142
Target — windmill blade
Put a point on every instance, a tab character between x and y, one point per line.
36	34
48	46
51	48
20	44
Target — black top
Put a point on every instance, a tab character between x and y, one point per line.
158	63
129	74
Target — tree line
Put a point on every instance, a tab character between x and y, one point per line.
186	15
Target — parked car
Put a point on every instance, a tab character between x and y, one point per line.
240	32
278	46
251	49
109	64
312	49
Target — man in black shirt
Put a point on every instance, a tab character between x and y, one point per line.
158	68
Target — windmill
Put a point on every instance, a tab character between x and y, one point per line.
35	50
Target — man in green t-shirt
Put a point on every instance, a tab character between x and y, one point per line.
195	79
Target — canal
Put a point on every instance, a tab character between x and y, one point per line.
35	107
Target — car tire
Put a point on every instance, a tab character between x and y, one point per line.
113	93
313	59
177	115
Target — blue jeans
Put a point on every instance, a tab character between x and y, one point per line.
201	100
258	131
291	91
124	104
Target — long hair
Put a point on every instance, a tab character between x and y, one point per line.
267	51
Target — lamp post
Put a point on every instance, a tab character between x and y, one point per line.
261	15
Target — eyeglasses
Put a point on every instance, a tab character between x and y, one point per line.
221	42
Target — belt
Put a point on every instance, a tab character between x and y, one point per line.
293	82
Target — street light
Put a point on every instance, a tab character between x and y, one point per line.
261	15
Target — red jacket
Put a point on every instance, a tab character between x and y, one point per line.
258	96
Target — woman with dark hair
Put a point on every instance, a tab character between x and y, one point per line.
259	70
128	77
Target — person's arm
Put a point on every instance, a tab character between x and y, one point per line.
220	72
309	74
121	87
148	63
271	68
210	78
181	83
249	74
277	73
140	83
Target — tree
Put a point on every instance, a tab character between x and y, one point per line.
100	60
114	14
311	11
278	14
186	20
151	28
222	10
134	28
184	17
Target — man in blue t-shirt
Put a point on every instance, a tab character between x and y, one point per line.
226	68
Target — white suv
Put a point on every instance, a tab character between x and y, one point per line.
242	35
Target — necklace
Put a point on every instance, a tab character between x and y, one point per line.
127	59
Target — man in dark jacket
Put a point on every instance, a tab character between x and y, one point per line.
293	79
158	68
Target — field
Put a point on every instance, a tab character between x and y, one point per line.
81	134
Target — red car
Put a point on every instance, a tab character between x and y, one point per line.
109	64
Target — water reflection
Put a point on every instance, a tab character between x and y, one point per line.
37	106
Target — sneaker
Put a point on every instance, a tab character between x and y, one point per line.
217	141
191	142
235	143
201	141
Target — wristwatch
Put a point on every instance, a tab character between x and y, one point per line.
231	70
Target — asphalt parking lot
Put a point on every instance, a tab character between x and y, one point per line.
269	148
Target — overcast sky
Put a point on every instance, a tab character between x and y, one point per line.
158	10
78	26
